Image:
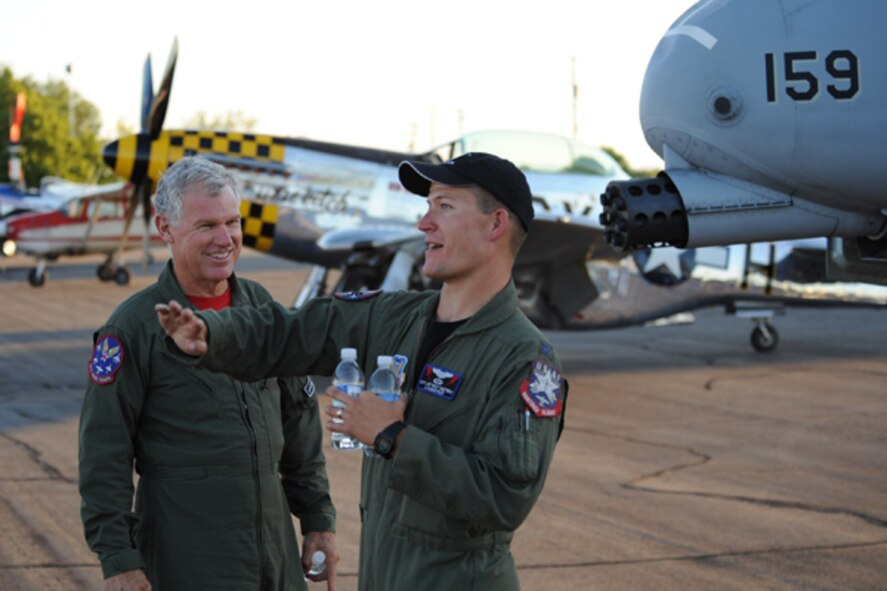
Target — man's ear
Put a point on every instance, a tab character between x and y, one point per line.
501	224
164	228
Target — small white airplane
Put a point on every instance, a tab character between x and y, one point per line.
86	219
14	201
769	116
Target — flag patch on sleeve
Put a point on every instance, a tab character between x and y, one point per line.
543	391
107	357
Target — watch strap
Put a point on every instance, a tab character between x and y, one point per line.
388	434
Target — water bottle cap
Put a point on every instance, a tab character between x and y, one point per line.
385	361
318	557
349	353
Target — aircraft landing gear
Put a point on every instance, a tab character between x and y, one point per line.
121	276
109	271
105	272
37	276
764	337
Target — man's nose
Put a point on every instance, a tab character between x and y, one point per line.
224	235
425	224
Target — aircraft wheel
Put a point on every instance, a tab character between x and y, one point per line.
105	272
121	276
36	278
764	339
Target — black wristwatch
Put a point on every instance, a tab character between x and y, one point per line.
387	438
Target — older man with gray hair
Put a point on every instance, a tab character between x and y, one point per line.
222	463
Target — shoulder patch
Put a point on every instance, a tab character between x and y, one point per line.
356	296
543	391
107	357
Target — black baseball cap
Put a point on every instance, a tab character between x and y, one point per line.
497	175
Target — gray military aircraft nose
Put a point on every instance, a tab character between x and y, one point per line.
768	131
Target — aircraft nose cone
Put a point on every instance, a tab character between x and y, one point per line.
109	154
129	156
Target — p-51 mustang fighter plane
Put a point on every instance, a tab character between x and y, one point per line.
342	207
769	115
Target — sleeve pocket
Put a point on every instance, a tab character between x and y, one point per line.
518	449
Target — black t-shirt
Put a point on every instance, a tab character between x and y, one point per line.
435	333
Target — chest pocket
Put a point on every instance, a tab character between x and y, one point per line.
451	420
185	391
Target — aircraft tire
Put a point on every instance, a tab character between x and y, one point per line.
105	272
36	279
764	341
121	276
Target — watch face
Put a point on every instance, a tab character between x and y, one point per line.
383	445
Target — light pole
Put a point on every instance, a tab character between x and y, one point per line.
70	70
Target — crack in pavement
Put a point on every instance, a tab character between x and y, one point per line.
35	454
702	458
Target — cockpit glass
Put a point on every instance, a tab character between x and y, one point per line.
541	152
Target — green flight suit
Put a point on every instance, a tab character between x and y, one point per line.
472	462
222	463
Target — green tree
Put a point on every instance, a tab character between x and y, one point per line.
49	145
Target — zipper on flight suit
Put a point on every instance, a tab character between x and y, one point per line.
254	453
428	359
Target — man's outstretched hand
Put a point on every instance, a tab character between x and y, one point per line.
183	326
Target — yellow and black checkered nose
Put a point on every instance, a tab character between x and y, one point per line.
129	156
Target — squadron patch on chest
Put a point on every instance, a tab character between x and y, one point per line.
440	382
107	357
356	296
543	391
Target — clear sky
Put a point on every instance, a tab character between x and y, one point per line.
390	74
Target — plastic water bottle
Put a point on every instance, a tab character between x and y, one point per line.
349	379
384	384
318	563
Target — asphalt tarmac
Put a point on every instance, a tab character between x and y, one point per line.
689	462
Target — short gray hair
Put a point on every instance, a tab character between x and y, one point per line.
184	174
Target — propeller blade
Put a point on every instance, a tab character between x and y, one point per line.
147	93
161	99
137	196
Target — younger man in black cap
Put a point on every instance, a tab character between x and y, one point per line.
464	456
